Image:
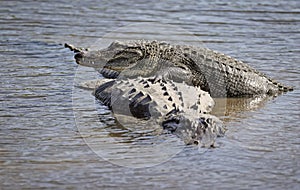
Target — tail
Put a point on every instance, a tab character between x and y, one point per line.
283	88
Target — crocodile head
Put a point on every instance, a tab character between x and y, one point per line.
117	56
139	58
202	130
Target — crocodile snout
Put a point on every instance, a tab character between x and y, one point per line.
78	56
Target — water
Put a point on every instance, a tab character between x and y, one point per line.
40	141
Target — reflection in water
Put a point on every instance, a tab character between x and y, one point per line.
229	108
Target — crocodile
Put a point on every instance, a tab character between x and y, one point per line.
214	72
183	114
173	85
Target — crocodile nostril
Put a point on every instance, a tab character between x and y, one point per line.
78	56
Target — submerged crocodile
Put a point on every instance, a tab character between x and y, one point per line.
184	114
216	73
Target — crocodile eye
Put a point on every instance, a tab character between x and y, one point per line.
181	67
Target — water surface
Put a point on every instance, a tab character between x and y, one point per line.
40	141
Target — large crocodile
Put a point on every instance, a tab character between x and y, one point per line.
156	80
164	104
214	72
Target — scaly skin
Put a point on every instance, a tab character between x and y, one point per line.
214	72
183	114
156	80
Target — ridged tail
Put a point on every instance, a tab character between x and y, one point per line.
281	87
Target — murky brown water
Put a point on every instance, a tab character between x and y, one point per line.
50	137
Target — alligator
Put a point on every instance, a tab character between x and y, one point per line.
183	114
214	72
173	85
